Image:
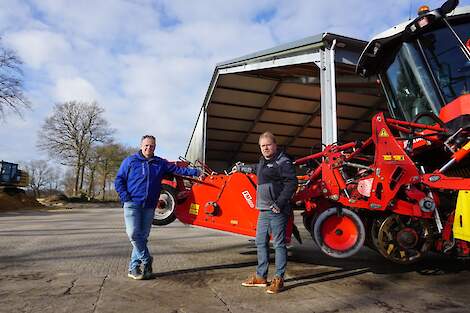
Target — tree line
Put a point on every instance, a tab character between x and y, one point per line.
77	136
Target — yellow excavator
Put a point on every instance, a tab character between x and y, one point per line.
11	176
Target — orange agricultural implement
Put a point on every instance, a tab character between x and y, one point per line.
219	201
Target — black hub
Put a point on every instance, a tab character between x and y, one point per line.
407	238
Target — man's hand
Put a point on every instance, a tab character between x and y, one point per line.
234	169
200	174
242	168
275	209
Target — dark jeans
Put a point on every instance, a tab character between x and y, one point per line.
275	224
138	224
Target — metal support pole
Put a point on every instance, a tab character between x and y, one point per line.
328	95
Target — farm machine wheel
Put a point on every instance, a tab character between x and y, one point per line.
165	210
401	239
338	233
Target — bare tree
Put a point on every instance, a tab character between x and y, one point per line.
55	180
40	175
70	132
91	169
12	97
110	158
104	165
68	181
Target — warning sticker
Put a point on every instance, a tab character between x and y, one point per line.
194	209
383	133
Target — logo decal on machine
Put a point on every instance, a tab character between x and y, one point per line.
397	157
248	198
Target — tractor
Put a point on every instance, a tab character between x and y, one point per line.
404	191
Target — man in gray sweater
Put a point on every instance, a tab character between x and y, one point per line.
277	182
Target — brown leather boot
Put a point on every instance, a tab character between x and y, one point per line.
276	286
255	281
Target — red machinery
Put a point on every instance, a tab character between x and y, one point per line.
373	191
218	201
405	190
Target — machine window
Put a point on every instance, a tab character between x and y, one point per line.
448	61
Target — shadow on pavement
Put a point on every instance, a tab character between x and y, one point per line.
202	269
323	277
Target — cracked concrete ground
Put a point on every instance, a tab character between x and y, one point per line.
76	261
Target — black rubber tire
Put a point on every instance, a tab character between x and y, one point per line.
169	216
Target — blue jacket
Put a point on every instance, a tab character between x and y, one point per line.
140	180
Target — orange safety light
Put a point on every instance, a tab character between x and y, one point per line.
467	44
423	9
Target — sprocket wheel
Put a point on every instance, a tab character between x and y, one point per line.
401	239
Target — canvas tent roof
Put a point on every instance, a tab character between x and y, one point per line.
285	90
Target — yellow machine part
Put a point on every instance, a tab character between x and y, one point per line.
462	216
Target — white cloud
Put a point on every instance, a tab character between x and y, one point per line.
359	19
219	12
165	95
38	48
18	138
75	88
14	15
103	20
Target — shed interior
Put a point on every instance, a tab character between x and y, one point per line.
285	100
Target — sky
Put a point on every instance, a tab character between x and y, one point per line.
148	63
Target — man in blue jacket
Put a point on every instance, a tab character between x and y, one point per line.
138	183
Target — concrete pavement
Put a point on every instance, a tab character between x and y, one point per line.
76	261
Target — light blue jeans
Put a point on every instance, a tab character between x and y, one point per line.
138	224
275	224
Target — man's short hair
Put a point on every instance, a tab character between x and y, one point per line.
148	137
267	135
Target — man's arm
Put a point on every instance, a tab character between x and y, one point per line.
289	179
120	183
186	171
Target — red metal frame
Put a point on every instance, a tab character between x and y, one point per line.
390	170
